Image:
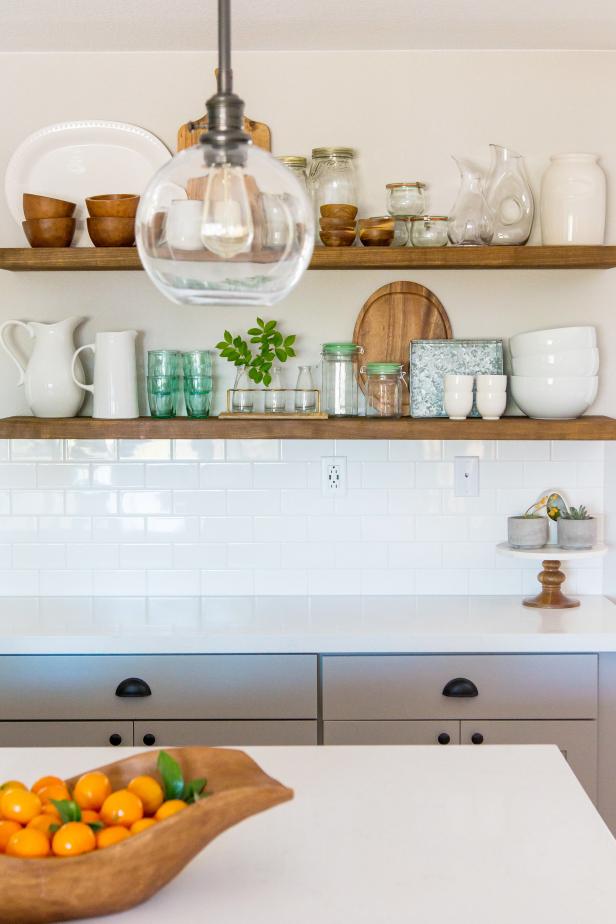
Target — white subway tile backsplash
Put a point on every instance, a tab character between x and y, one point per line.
199	450
443	581
358	503
91	555
362	450
307	555
197	555
294	503
18	529
15	583
181	583
36	450
332	528
253	503
415	450
91	503
577	451
375	581
433	475
252	450
495	581
226	529
391	528
236	475
542	475
467	506
589	474
5	503
4	450
64	529
118	529
523	450
183	475
305	450
91	450
469	554
62	475
140	555
37	502
172	529
412	555
144	450
280	529
227	583
359	555
36	555
484	449
494	475
7	558
443	528
145	502
414	502
120	475
68	584
278	475
256	555
17	475
277	583
488	528
388	475
116	583
335	582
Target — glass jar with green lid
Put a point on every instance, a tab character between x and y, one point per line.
297	165
340	392
384	384
332	179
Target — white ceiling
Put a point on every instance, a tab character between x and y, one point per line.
187	25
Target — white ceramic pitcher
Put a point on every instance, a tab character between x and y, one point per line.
115	375
52	386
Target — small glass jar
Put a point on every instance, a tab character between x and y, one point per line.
406	198
297	165
429	231
332	179
402	232
340	373
384	383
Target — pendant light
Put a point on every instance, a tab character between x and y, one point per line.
224	222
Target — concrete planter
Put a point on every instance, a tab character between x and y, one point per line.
527	532
577	534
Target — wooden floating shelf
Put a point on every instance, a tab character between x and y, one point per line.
27	259
350	428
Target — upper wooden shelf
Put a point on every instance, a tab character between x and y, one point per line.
22	259
349	428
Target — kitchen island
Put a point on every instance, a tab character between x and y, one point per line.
391	835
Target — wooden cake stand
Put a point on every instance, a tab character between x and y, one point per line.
551	578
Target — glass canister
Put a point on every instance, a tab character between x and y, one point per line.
297	165
429	231
340	390
406	198
332	179
384	384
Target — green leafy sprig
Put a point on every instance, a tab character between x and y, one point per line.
576	513
174	785
70	811
271	346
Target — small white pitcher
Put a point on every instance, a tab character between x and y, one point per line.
115	375
51	384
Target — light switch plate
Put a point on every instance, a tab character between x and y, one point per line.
466	476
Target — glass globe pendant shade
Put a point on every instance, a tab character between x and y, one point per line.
218	233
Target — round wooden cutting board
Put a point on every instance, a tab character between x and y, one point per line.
393	316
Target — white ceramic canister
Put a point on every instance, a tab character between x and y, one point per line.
115	375
573	200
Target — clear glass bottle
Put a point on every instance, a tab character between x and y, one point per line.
297	165
340	392
242	402
332	179
384	385
509	195
471	221
275	401
305	395
406	198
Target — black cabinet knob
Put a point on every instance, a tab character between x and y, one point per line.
443	738
460	687
477	738
149	739
115	739
133	686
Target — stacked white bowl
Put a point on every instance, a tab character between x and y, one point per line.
555	372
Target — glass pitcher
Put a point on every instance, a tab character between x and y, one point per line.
509	196
340	372
471	221
384	385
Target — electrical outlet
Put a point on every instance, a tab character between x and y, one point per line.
333	476
466	476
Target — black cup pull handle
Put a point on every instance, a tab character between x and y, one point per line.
133	686
460	687
149	739
477	738
443	738
115	739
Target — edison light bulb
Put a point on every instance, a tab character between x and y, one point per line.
226	226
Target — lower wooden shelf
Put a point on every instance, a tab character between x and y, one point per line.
348	428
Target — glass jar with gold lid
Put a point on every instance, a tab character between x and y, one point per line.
405	199
298	165
332	179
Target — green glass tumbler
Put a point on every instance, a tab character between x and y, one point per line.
164	363
163	395
198	395
197	363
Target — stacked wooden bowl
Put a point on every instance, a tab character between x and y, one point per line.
48	222
337	225
112	219
376	232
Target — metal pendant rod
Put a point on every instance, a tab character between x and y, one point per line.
225	74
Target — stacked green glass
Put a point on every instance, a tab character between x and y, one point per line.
198	382
163	382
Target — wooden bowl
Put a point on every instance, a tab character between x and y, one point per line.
112	232
376	237
336	224
120	877
115	205
49	232
383	223
338	238
45	207
339	211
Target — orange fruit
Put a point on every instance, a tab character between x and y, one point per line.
142	825
110	836
170	808
20	805
122	808
11	784
56	791
47	781
149	791
43	823
89	815
48	808
73	839
28	843
7	830
91	790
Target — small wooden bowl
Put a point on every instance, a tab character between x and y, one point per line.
45	207
381	223
112	232
336	224
376	237
120	877
115	205
338	238
339	211
49	232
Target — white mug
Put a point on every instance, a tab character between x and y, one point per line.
491	382
491	404
115	375
183	224
459	382
458	404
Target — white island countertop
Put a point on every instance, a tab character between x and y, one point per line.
219	625
390	835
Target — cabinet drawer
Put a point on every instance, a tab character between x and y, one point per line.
182	686
576	740
64	734
411	686
391	732
172	734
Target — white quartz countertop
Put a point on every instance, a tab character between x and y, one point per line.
389	835
217	625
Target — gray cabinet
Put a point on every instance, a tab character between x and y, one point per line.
65	734
391	732
230	733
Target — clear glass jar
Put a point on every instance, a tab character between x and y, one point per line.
305	394
275	401
384	384
429	231
406	198
332	179
297	165
340	391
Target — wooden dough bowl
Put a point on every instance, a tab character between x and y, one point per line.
120	877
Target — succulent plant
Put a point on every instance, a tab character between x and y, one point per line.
576	513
